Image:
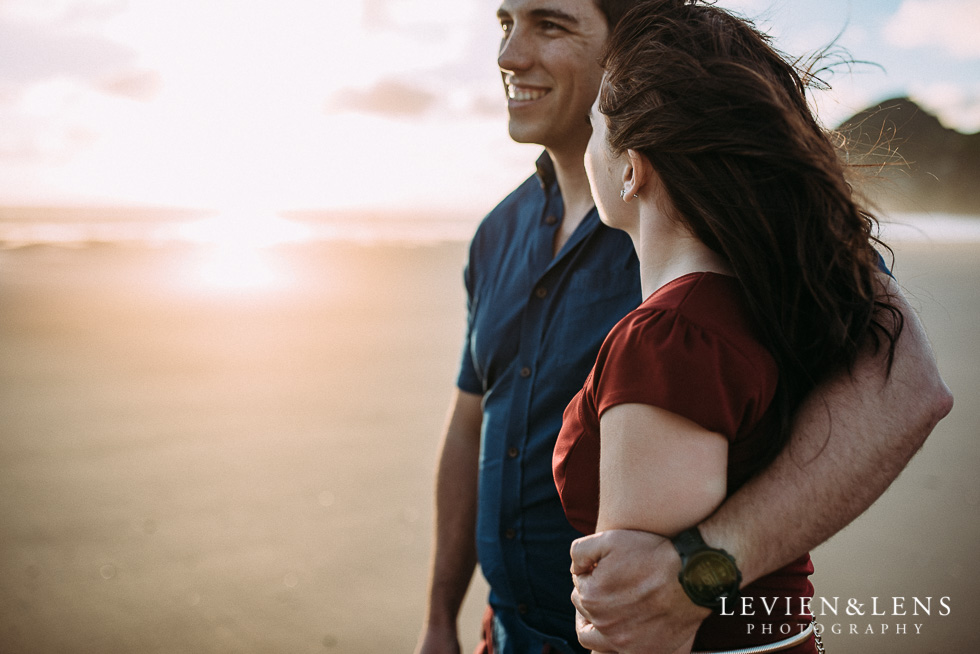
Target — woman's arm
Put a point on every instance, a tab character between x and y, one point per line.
658	472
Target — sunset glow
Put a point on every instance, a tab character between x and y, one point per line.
231	268
304	104
236	294
236	249
244	230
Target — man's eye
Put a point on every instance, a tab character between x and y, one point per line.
506	26
547	25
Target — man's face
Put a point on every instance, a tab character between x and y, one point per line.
549	62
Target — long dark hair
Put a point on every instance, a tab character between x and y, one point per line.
724	121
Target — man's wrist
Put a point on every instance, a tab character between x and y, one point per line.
440	620
442	612
709	575
717	534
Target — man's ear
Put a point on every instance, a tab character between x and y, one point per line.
638	175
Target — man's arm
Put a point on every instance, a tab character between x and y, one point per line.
454	551
851	439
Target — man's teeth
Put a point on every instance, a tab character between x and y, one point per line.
522	94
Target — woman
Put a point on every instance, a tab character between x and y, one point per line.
759	278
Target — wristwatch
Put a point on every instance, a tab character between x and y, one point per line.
708	575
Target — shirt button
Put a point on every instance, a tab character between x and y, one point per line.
525	372
522	609
541	291
512	452
509	534
551	219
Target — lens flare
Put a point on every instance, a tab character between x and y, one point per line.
238	248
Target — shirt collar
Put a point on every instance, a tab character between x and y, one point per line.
547	178
545	170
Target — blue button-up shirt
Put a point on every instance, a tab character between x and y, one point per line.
535	324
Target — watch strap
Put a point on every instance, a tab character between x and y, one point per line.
688	542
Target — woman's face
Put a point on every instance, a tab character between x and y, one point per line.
606	172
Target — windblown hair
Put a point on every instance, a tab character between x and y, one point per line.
724	121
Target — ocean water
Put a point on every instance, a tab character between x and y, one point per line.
79	227
259	229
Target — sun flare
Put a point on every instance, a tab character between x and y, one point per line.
245	229
233	268
237	249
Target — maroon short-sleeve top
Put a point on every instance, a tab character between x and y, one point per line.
689	348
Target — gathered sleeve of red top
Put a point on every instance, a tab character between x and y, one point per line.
666	360
689	349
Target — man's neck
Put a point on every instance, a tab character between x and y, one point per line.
575	193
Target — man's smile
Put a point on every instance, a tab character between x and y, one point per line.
523	92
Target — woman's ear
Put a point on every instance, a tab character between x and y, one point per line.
638	175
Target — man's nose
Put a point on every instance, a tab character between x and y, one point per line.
515	51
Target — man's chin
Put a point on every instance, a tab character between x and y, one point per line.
522	133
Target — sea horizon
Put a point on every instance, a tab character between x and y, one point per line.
79	227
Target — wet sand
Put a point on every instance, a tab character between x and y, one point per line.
194	470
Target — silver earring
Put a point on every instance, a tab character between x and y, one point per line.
622	194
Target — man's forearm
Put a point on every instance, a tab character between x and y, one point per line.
454	550
851	439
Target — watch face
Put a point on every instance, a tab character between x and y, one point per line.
708	576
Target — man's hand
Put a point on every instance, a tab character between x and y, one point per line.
627	594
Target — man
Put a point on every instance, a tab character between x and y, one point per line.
545	282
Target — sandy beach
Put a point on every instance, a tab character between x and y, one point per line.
186	469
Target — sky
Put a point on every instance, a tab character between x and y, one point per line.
327	104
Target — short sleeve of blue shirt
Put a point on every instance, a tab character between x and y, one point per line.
468	380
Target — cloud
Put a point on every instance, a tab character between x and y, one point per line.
31	53
48	11
94	10
35	125
38	142
445	14
143	85
489	106
956	106
387	97
951	25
